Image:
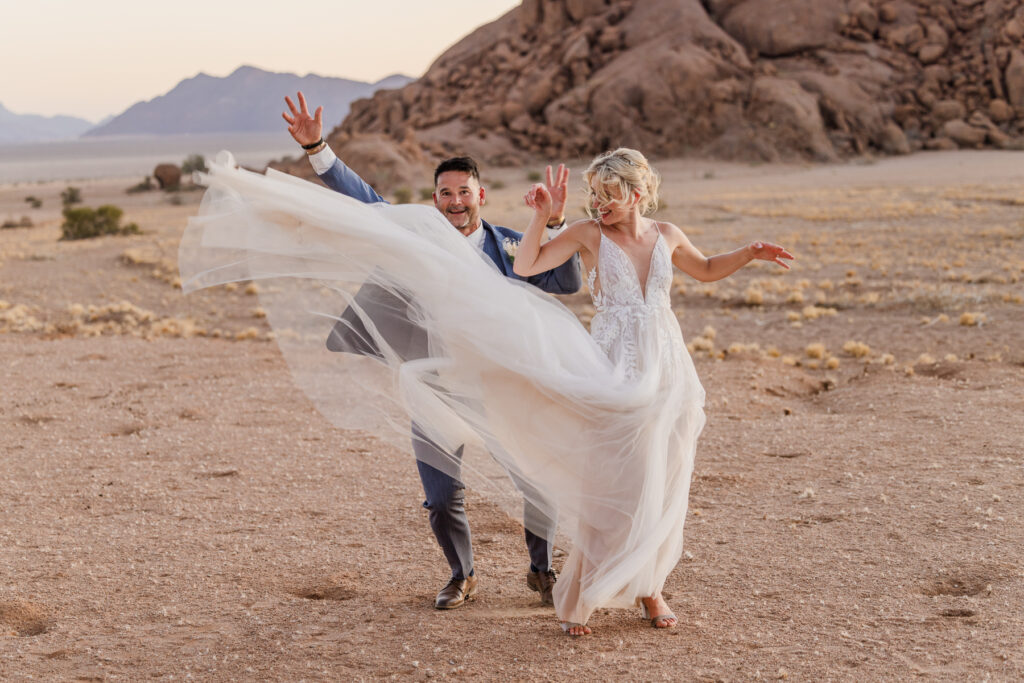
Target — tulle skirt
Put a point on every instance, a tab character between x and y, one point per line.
498	368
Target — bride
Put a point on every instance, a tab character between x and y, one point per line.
605	425
629	259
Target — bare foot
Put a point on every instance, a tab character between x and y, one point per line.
659	612
575	630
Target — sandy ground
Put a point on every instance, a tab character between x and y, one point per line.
174	508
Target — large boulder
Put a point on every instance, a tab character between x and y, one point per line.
1015	80
782	27
790	115
168	176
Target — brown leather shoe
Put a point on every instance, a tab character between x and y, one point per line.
543	583
455	593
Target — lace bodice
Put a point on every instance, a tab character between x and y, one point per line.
619	283
626	311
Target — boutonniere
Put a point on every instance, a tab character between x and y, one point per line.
511	247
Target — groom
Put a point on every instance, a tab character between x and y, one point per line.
458	195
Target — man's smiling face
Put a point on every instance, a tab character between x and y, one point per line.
458	196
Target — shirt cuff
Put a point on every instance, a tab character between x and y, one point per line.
323	160
551	233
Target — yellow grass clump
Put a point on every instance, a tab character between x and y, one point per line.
832	363
869	298
701	344
124	318
164	269
816	350
887	359
705	342
19	318
971	318
737	348
252	288
754	296
815	312
925	359
856	349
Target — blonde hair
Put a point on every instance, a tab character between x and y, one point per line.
629	171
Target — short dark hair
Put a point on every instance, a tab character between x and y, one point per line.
463	164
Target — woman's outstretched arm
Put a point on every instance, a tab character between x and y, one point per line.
691	261
533	257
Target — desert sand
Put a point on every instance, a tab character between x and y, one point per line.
174	507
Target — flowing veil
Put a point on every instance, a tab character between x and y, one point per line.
507	371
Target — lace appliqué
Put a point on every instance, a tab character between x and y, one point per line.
622	309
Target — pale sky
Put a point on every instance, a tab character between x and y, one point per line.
91	58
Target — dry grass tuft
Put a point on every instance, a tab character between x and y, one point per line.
856	349
971	318
816	350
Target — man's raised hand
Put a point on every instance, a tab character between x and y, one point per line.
304	128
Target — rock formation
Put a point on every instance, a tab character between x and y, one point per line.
735	79
168	176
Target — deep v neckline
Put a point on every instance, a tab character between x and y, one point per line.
636	274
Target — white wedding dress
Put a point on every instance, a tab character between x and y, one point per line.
602	427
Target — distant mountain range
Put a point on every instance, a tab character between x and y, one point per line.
15	128
249	100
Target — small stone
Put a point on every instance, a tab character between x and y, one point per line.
964	134
931	53
948	110
1000	110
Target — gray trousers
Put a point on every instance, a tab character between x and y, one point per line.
446	501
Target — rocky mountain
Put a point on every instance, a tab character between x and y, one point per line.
734	79
16	128
247	101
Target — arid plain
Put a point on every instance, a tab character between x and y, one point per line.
174	507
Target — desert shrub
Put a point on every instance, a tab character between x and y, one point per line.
71	195
497	185
193	163
534	176
145	186
403	195
85	223
426	194
25	222
176	200
33	201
